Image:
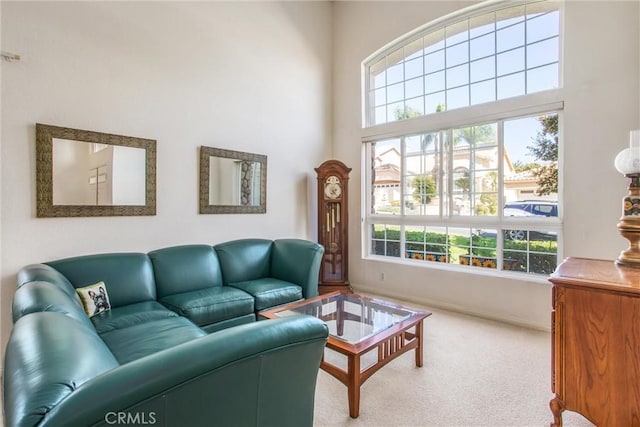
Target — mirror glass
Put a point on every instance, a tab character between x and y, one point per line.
232	181
84	173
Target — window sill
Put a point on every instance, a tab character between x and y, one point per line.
453	268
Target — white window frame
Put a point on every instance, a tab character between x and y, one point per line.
505	109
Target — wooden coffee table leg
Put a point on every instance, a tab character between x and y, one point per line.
353	388
420	341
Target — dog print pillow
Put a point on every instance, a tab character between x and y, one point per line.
95	299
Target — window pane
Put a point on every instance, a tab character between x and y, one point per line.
543	26
380	115
434	82
484	135
483	248
458	76
435	102
512	85
531	145
542	264
413	68
395	74
457	98
395	92
483	92
542	78
483	69
379	97
426	244
395	111
485	204
457	54
386	177
424	164
385	240
530	251
414	246
541	53
422	177
510	62
510	37
414	107
413	88
378	74
434	62
483	46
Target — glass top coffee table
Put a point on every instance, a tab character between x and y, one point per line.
358	325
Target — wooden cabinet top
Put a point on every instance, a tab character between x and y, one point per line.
597	273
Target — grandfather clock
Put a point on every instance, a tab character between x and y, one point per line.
333	224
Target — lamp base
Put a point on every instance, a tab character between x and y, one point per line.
630	230
629	225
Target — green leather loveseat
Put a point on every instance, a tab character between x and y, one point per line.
179	344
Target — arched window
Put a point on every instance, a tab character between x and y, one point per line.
490	55
465	115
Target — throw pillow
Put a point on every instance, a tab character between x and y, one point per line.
94	298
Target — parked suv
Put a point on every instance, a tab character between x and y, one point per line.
532	207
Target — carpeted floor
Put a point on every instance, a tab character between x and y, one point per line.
476	372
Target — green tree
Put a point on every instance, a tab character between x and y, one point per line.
474	134
407	112
424	188
519	166
545	148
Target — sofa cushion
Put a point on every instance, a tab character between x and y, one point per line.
185	268
33	297
134	342
129	276
244	259
130	315
210	305
49	356
95	299
297	261
269	292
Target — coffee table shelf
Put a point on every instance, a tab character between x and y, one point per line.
357	325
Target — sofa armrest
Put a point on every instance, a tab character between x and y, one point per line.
46	273
297	261
262	373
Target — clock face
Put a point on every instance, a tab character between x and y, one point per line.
332	189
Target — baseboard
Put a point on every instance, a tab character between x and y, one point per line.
458	309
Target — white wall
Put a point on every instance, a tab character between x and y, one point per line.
252	77
602	94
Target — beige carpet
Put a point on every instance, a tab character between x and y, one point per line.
476	372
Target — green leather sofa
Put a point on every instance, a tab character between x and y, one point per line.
179	346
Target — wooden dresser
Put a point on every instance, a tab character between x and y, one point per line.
596	342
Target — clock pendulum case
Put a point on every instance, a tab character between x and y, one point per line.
333	225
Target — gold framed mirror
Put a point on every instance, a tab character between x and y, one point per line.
85	173
232	182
